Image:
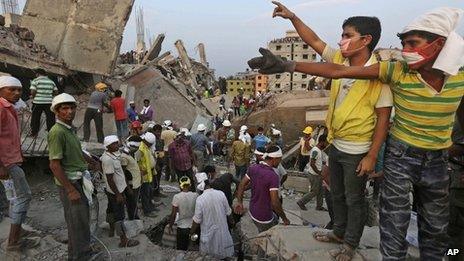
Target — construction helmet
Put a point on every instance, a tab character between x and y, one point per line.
136	125
61	98
101	87
308	130
201	127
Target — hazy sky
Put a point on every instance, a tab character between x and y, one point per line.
233	30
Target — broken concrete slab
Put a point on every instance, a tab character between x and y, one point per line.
154	50
86	34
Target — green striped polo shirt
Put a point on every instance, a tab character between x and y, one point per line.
44	88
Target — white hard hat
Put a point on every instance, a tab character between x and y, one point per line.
201	127
149	137
276	132
243	128
9	81
61	98
110	140
226	123
167	123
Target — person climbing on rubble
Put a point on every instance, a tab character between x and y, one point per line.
240	156
357	120
115	188
146	114
118	106
200	146
42	91
314	172
213	215
182	158
11	172
69	167
183	205
146	163
132	171
98	101
168	135
265	206
428	87
306	144
132	113
260	140
244	135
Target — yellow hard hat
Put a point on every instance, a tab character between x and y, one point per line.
308	130
101	86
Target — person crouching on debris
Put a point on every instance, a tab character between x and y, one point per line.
146	163
69	168
10	161
115	188
314	172
264	191
213	215
133	176
183	203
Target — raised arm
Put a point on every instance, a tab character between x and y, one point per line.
305	32
336	71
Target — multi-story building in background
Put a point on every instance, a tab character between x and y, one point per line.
261	83
244	86
291	47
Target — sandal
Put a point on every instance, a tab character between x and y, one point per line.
327	237
24	243
130	243
344	253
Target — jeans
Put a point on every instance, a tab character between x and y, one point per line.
146	194
3	202
199	159
183	238
37	110
78	223
316	191
348	196
406	169
168	174
329	203
240	171
266	226
122	130
97	117
115	213
302	162
20	205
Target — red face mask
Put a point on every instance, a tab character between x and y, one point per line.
417	57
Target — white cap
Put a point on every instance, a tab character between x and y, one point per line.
110	140
226	123
276	132
9	81
149	137
201	127
185	131
61	98
243	128
132	102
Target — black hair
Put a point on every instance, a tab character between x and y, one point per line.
261	149
322	138
118	93
146	100
58	106
157	127
430	37
272	149
135	139
366	25
260	128
209	169
40	71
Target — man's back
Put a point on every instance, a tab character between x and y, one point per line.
118	105
263	180
185	202
199	141
96	100
44	88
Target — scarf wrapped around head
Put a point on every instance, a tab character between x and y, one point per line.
443	21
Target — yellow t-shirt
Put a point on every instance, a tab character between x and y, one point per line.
424	118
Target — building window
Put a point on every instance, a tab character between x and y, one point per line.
277	76
247	83
288	45
278	47
259	84
305	56
305	46
314	56
277	85
231	83
303	85
231	90
259	77
304	76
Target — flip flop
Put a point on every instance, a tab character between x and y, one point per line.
327	237
130	243
344	253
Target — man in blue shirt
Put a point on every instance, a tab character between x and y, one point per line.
260	140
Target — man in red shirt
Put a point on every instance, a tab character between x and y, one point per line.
11	158
118	105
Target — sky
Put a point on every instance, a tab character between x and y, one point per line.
233	30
